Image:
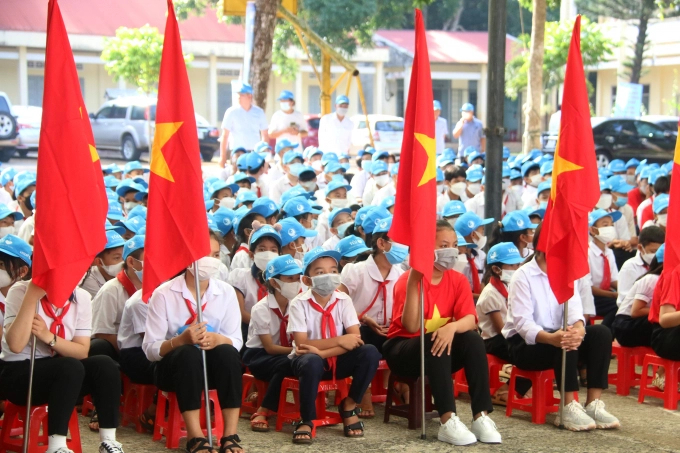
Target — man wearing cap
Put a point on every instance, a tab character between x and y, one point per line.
243	125
441	128
469	130
287	123
335	129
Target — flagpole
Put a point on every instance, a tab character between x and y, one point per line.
564	365
29	397
422	363
199	314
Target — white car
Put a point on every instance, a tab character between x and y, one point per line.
387	131
28	118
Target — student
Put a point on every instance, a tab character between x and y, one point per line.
244	218
350	248
457	186
339	220
7	220
650	240
517	229
390	190
127	190
661	185
24	186
602	263
131	226
660	209
256	167
63	373
534	331
452	210
268	346
246	199
451	341
7	184
270	210
224	193
513	199
317	319
357	229
531	174
293	236
474	190
290	178
173	339
225	219
336	198
301	209
380	178
359	180
106	264
471	227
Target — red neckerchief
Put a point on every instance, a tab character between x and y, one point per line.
193	316
283	327
500	286
57	327
2	307
381	286
261	290
242	248
474	273
327	324
126	282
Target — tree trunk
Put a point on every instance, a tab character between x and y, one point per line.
261	62
532	112
636	66
454	22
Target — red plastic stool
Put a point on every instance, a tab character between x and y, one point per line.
670	394
87	407
592	320
249	381
542	401
13	428
412	410
378	390
173	427
626	361
460	384
290	412
136	400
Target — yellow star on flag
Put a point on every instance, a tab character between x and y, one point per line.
430	146
436	321
560	166
677	153
164	132
93	150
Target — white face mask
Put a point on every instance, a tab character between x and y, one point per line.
4	231
342	111
300	253
661	219
517	189
445	259
440	188
325	284
208	267
130	205
5	279
382	180
263	258
288	289
646	257
474	188
480	241
458	188
505	184
113	269
339	203
308	185
228	202
317	165
506	276
630	179
605	201
285	106
606	234
535	180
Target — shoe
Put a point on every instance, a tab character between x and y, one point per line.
575	418
455	432
63	450
603	419
111	446
659	382
485	430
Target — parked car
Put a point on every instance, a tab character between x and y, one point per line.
28	119
207	138
124	124
9	133
387	131
666	122
312	138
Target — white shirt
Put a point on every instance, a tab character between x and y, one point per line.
242	280
27	228
383	193
621	227
335	136
441	130
476	204
490	301
362	280
529	195
629	217
631	270
646	202
596	263
5	197
282	120
263	321
331	242
77	322
244	126
275	172
359	183
532	305
279	187
107	308
133	322
512	201
303	318
242	260
585	290
642	289
370	190
554	123
168	312
93	282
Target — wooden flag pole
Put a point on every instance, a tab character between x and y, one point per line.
564	364
199	315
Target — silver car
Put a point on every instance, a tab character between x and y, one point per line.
29	118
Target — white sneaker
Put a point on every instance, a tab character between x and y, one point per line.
659	382
111	446
63	450
603	419
576	418
485	430
455	432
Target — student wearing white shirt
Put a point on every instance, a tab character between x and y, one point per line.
301	210
287	123
7	184
8	219
533	329
513	195
317	319
63	372
241	257
269	344
364	163
23	189
340	219
290	179
650	240
173	338
335	129
441	128
531	173
517	229
380	179
602	263
293	236
471	227
390	190
107	264
473	177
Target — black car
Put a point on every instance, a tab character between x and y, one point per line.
207	138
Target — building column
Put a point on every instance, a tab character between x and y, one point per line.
483	94
212	89
122	84
23	76
407	84
379	92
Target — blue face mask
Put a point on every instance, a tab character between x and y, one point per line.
543	205
397	254
366	165
139	274
621	201
342	229
345	166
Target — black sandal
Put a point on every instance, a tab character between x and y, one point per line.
303	440
347	414
94	419
233	439
198	444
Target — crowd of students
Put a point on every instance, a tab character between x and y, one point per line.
303	280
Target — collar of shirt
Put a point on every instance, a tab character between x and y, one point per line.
375	274
274	304
180	286
306	295
638	259
533	269
595	249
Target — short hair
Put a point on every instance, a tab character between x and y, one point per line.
13	265
651	234
662	185
374	240
444	225
457	172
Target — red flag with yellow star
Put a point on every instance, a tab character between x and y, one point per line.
672	253
177	223
575	184
69	231
415	211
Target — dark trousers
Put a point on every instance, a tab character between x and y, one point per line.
370	337
244	334
271	369
498	346
60	381
360	364
666	342
467	352
595	352
181	371
136	366
631	332
99	346
606	307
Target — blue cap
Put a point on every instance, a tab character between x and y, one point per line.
617	166
245	88
437	105
378	167
328	157
618	184
298	206
467	107
668	167
293	192
660	252
380	155
632	163
475	173
110	227
264	231
319	252
291	155
342	99
134	165
139	180
443	161
388	202
506	152
224	218
547	167
15	246
282	265
533	155
597	214
113	240
240	176
336	212
515	174
505	170
395	170
504	253
351	246
361	214
219	185
440	173
333	167
372	218
383	225
527	166
531	211
115	211
469	222
241	162
22	184
469	150
133	224
660	202
453	207
461	242
132	245
337	183
297	169
368	150
271	206
516	221
544	185
245	196
291	229
110	181
604	172
128	185
475	155
645	172
137	211
212	225
7	175
209	202
286	95
253	161
285	143
6	212
111	168
656	174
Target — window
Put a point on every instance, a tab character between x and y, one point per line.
400	97
313	99
138	113
35	90
3	105
367	85
223	98
362	125
389	126
118	112
104	113
649	130
472	93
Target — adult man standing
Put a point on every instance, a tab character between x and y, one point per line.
243	125
335	129
469	131
288	123
441	128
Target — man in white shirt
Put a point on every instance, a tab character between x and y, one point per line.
287	123
243	125
335	129
441	128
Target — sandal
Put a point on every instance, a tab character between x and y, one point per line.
233	439
254	423
94	419
147	422
303	440
347	414
198	444
500	398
